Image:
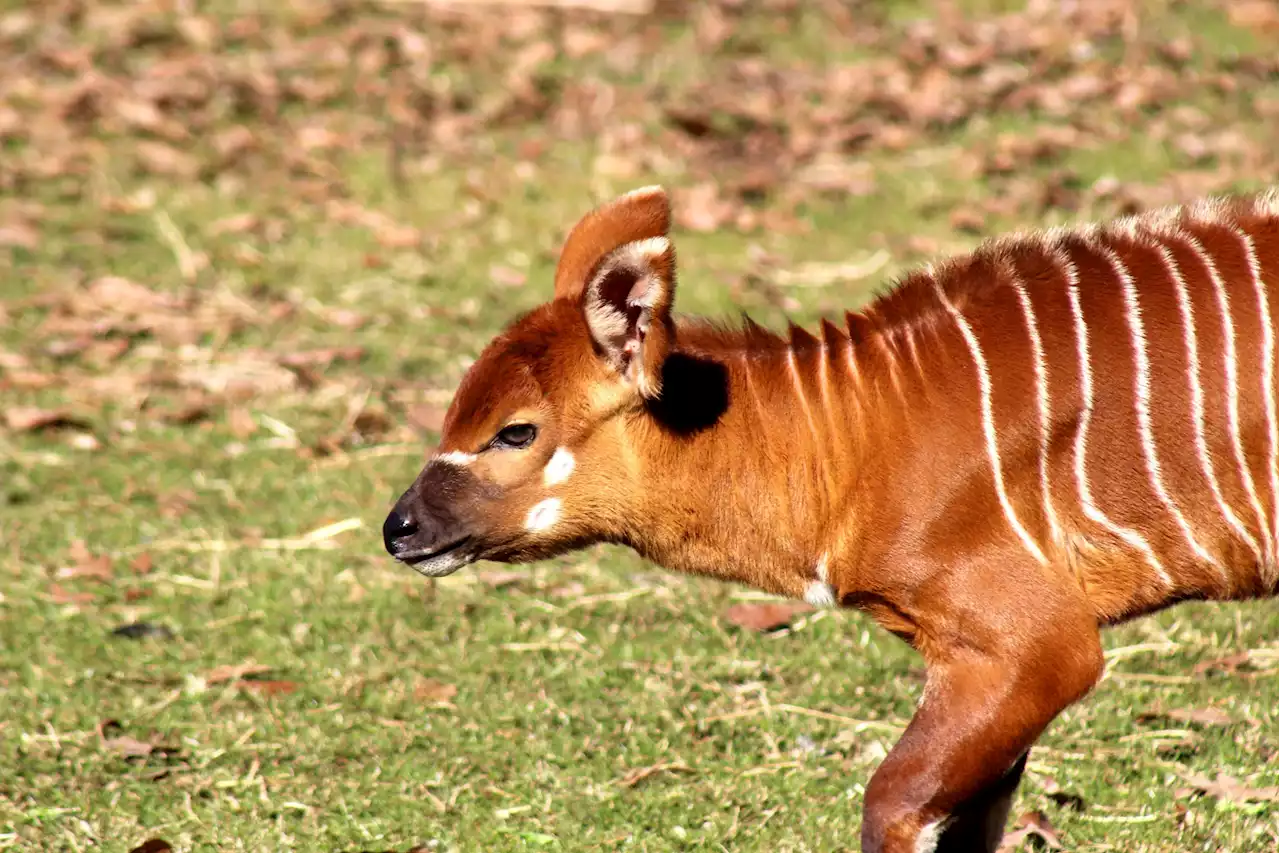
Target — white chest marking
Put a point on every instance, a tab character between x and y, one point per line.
927	840
559	468
543	515
821	593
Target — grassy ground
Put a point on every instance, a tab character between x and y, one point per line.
245	257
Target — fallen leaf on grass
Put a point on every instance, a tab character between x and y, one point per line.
1228	664
639	774
500	579
164	160
432	690
1202	716
19	235
87	566
427	417
241	422
34	419
765	617
1031	824
128	746
234	672
63	596
267	687
1226	788
322	357
1261	15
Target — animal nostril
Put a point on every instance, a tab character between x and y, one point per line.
396	526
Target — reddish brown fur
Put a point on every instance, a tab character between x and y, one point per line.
860	456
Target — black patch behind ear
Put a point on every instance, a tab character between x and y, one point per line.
695	393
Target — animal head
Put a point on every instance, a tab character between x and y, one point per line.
533	458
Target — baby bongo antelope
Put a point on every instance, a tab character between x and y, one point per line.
999	457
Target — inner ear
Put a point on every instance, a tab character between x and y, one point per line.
627	306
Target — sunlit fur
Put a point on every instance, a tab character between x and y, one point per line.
1060	451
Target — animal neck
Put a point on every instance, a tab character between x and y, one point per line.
751	462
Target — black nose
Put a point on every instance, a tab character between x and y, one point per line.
394	528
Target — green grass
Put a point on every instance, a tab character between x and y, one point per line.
496	711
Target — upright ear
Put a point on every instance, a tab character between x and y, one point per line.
627	305
639	215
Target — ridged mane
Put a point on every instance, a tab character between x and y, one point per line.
911	299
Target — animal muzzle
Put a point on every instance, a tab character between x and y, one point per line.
430	538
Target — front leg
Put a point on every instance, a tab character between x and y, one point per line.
1002	671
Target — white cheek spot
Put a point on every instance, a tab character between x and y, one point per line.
820	594
822	568
559	468
543	515
454	457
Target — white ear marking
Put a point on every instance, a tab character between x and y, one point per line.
559	468
455	457
543	515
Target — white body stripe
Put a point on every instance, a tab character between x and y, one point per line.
892	359
912	354
804	404
1268	371
1233	390
1197	398
988	423
1042	401
1091	511
1142	401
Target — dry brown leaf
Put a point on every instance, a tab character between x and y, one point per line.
165	160
765	617
59	595
241	422
1033	824
129	747
233	672
19	235
1227	788
426	416
432	690
701	208
394	236
1201	716
636	776
34	419
322	358
98	567
267	687
498	579
506	277
237	223
141	564
1229	664
1261	15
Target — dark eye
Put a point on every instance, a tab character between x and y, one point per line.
515	436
